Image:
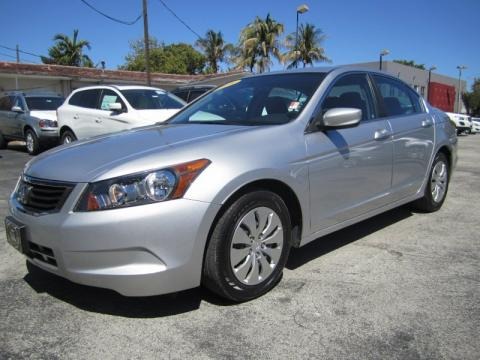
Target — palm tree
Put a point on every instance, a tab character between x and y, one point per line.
258	42
68	51
309	49
214	48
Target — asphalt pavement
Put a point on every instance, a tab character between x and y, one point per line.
402	285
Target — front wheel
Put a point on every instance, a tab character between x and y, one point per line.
32	142
68	137
437	186
249	247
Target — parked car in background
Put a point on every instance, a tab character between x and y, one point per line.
462	122
219	194
475	124
190	93
98	110
31	118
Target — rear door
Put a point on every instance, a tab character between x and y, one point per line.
413	134
17	119
82	113
350	169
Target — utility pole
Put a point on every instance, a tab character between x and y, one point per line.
459	97
147	45
18	62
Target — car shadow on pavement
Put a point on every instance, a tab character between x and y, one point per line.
321	246
109	302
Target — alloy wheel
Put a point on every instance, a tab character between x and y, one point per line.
438	181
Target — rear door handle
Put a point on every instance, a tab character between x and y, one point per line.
427	123
382	134
76	117
98	121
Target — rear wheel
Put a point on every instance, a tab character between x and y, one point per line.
249	247
68	137
32	142
437	186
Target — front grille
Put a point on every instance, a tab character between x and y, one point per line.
42	196
42	253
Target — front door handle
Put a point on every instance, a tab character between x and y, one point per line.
76	117
427	123
98	121
382	134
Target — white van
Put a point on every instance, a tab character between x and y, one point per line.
97	110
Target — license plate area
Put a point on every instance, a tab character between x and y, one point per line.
16	234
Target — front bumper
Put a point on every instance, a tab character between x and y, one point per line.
138	251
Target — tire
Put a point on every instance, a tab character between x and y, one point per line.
3	142
248	247
437	186
32	142
67	137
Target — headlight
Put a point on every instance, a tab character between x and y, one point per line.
44	123
143	188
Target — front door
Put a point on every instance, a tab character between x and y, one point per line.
350	169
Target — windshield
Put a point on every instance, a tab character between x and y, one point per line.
262	100
148	99
44	102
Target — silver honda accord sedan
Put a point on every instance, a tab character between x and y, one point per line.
220	193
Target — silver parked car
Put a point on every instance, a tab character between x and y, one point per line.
29	117
220	194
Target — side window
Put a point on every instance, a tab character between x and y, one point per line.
76	99
86	98
5	103
398	98
18	102
181	94
351	91
109	97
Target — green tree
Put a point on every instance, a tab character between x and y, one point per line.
410	63
67	51
171	59
214	48
258	42
309	49
472	99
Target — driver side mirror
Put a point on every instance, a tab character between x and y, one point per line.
115	107
338	118
17	109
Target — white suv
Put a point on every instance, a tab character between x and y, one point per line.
475	125
97	110
462	122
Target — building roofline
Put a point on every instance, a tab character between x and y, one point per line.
77	73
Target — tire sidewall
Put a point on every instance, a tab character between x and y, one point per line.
233	216
66	134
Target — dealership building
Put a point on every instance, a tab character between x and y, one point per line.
441	91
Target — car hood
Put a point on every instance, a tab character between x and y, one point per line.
154	116
44	114
97	158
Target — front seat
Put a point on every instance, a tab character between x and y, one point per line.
353	100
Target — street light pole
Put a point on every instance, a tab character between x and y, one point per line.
429	79
460	68
300	10
147	45
382	54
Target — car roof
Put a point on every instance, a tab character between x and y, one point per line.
120	87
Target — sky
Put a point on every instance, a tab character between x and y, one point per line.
443	33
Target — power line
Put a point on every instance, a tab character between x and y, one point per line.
20	51
178	18
10	56
110	17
